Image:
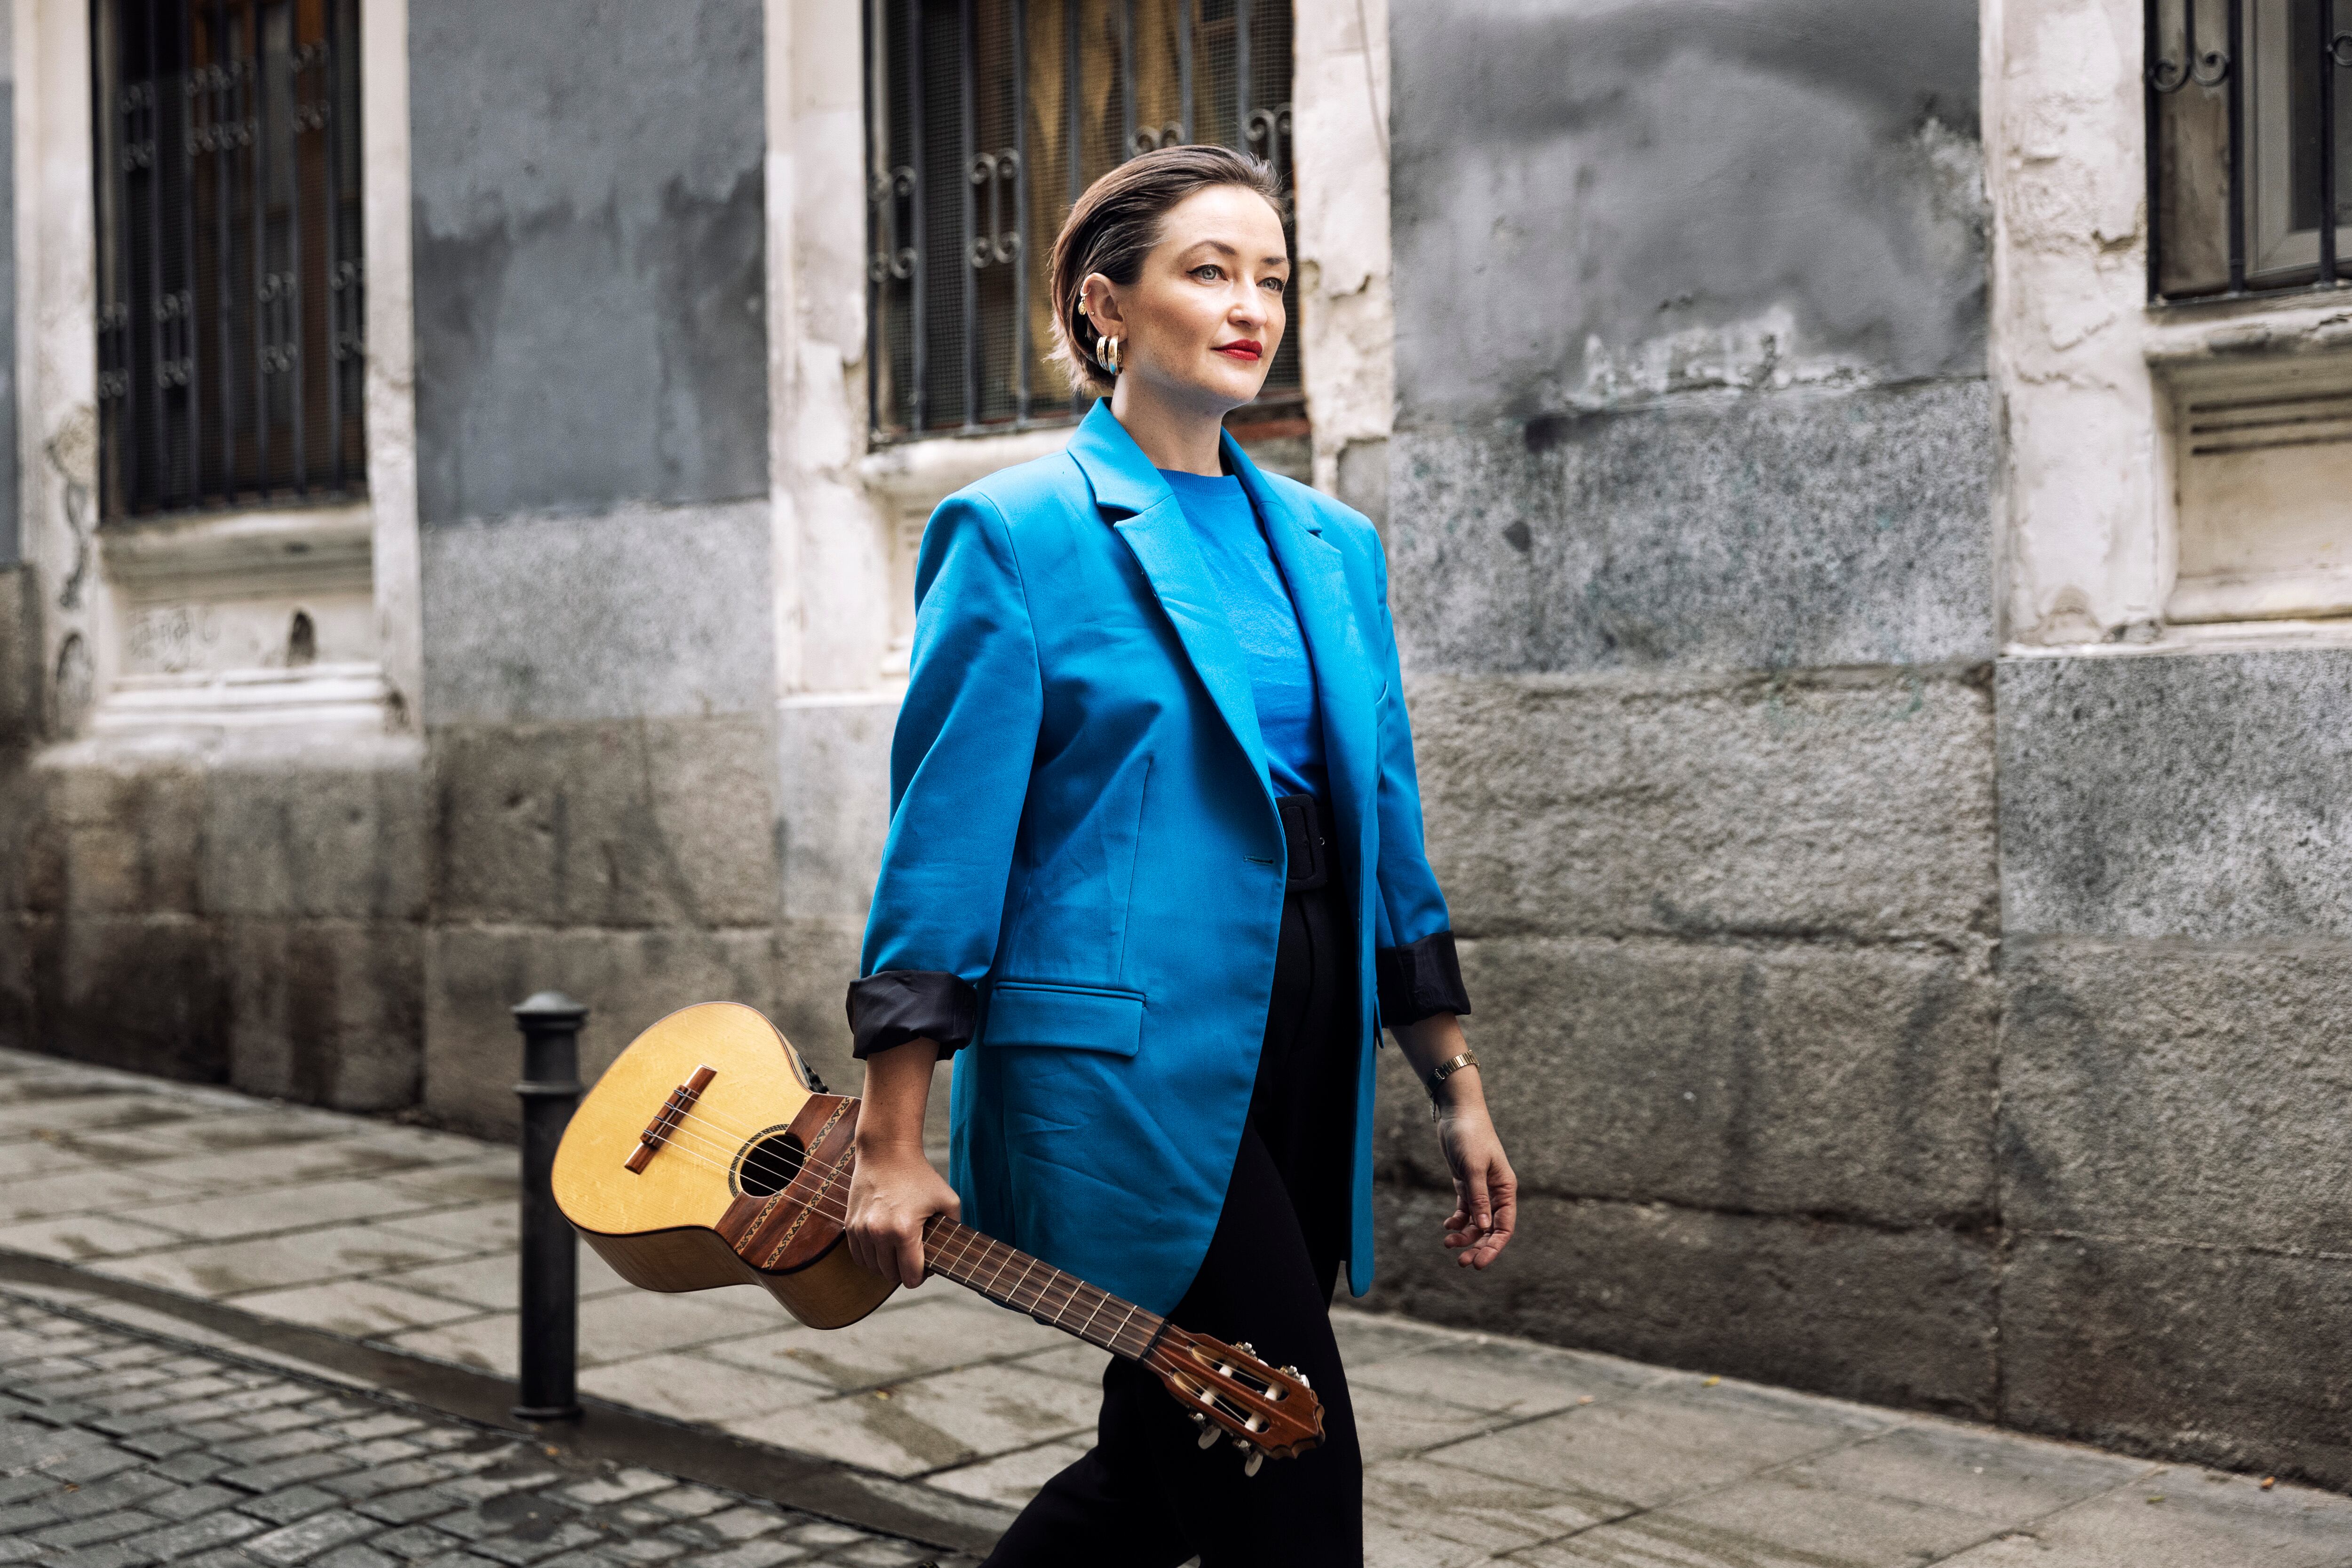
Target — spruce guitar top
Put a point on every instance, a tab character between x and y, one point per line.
704	1157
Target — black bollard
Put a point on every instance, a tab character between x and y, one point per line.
551	1254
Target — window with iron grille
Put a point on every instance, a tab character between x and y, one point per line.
2250	147
986	120
230	345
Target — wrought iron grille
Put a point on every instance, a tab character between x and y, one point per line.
230	343
2250	147
986	120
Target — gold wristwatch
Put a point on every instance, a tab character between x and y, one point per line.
1445	1069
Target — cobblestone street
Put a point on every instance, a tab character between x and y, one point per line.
118	1451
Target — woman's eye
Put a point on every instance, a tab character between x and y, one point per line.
1209	272
1275	284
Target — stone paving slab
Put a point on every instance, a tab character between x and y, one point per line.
1480	1449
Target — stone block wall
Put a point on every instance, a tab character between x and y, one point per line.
1690	539
243	916
2175	1167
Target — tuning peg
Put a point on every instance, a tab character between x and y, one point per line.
1246	1348
1256	1459
1209	1436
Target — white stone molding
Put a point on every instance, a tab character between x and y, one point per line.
1339	98
391	385
56	351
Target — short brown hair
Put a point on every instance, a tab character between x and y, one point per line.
1114	226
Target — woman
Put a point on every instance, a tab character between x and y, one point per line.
1155	830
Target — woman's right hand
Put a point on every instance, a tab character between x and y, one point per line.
893	1191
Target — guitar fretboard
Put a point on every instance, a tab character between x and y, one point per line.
1010	1278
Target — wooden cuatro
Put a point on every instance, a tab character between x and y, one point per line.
707	1155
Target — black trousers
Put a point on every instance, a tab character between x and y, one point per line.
1147	1495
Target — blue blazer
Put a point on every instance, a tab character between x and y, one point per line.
1085	868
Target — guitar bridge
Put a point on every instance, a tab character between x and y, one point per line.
674	1109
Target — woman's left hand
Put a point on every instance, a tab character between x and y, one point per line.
1485	1193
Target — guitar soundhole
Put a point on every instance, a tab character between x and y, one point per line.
768	1164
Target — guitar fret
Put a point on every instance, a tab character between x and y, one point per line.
1014	1295
989	1289
1012	1256
1093	1315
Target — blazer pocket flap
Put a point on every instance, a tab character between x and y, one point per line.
1070	1017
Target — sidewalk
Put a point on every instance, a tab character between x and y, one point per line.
202	1207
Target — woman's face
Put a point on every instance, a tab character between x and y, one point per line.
1200	325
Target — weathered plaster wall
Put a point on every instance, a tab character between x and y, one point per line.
587	182
592	383
1691	561
11	548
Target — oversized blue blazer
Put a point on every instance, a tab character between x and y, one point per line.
1082	832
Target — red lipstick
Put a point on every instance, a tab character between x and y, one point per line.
1247	349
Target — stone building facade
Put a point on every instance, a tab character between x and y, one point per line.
1887	776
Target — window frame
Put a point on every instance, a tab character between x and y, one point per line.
188	416
896	249
2245	61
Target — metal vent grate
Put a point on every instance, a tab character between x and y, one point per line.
2258	423
230	339
986	120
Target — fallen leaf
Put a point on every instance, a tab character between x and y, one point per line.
1710	1383
1584	1399
2269	1481
2158	1497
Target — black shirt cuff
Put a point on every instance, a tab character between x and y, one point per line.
900	1005
1420	980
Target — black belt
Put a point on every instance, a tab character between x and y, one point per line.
1302	829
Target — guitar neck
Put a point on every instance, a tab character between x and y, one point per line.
1012	1277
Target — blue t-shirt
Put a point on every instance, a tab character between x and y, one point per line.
1266	623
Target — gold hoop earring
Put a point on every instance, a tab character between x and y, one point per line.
1107	352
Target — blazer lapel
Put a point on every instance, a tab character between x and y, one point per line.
1317	576
1156	530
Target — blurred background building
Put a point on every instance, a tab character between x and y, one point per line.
1870	545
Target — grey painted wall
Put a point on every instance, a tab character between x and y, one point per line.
1669	278
640	612
1613	171
590	273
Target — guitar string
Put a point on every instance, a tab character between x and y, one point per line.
835	1212
818	1204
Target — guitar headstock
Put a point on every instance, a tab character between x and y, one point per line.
1269	1411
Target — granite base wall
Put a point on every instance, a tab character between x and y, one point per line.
237	915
